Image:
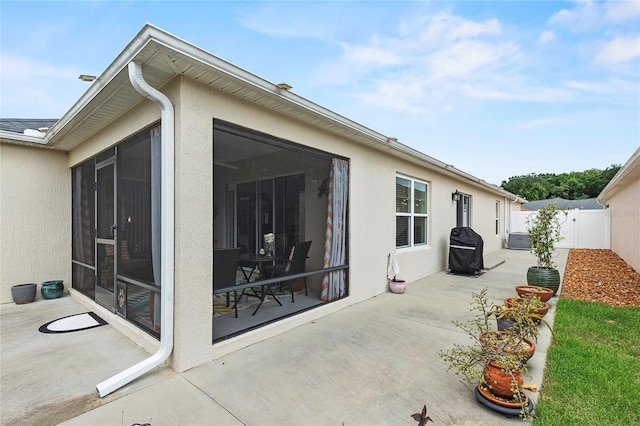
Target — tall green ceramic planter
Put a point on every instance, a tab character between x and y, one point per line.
544	277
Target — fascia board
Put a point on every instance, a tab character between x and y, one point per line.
117	66
150	33
633	163
17	138
450	170
247	78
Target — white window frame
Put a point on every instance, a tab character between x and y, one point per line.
466	214
412	215
497	217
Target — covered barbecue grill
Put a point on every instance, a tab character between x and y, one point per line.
465	251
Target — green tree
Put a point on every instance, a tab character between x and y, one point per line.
571	186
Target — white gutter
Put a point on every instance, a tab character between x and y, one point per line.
167	244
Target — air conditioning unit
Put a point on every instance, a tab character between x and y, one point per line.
519	241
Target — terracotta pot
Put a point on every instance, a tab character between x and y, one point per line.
544	277
509	402
525	352
542	292
500	382
537	311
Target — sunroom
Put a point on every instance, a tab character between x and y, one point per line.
280	213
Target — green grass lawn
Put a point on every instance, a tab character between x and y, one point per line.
592	374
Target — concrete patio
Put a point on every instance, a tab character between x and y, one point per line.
374	363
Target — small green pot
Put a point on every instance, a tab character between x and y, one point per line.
544	277
52	289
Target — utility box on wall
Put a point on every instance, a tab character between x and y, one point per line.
519	241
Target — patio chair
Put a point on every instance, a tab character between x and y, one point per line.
225	264
294	265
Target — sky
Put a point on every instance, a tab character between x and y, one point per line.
495	88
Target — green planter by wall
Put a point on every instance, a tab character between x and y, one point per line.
52	289
544	277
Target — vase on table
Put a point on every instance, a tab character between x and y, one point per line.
269	244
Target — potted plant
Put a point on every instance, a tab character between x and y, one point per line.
492	362
537	306
542	292
544	233
524	348
520	317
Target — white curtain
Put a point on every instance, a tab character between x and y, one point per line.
156	194
333	283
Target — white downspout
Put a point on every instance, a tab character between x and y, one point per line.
167	243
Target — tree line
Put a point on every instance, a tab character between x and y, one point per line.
570	186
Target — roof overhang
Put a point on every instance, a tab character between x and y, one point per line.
627	174
164	56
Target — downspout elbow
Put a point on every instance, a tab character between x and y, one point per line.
167	241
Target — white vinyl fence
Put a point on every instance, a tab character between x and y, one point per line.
580	228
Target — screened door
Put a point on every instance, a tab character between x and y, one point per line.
105	233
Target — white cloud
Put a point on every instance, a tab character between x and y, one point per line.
590	15
275	22
608	87
622	10
620	49
424	62
448	60
541	122
16	66
445	28
400	95
516	92
370	55
583	16
546	37
470	57
37	89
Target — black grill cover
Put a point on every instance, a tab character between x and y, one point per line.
465	251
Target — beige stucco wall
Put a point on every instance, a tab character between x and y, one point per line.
35	217
625	223
371	204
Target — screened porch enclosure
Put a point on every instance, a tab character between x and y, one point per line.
116	235
265	186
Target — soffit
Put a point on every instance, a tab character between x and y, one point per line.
164	57
628	175
160	64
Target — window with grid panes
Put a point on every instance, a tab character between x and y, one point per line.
411	212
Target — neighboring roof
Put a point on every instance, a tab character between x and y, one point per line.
164	56
19	125
561	203
627	174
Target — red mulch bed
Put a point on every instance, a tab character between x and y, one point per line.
600	276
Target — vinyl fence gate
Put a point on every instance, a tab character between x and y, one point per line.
580	228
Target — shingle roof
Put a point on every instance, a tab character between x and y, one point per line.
561	203
19	125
